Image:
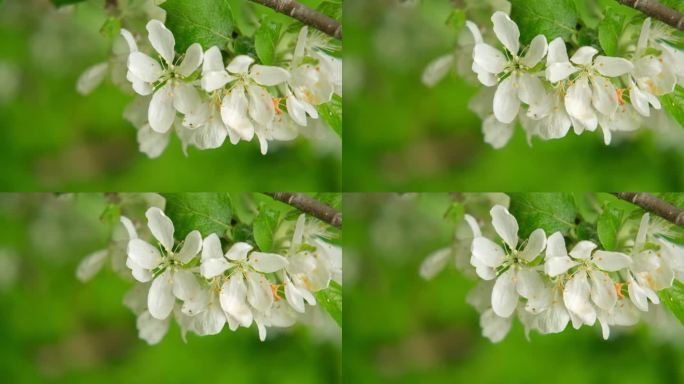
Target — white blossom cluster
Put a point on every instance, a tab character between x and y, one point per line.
548	285
204	287
548	92
205	101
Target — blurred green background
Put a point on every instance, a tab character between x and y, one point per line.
401	135
416	331
52	138
55	329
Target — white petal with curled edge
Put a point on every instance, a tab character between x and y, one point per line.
211	248
602	290
576	298
555	319
475	31
130	40
268	75
191	247
211	135
161	39
637	295
612	66
528	282
434	263
144	254
296	110
531	89
162	112
238	251
261	107
535	245
214	80
91	78
643	36
555	246
506	30
604	95
489	58
496	133
643	231
557	52
437	70
584	55
485	77
232	297
578	104
214	267
536	52
560	71
494	327
487	252
240	64
185	285
144	67
186	99
267	262
611	261
140	87
211	321
504	294
91	265
160	226
150	329
191	61
234	113
506	100
554	266
160	299
259	293
639	101
583	249
505	225
213	60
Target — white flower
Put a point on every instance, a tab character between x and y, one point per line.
171	279
93	263
465	232
92	77
520	83
174	92
517	279
640	283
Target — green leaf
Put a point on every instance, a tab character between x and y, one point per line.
266	40
456	20
674	104
263	228
331	113
331	8
111	27
551	18
60	3
208	22
610	29
608	226
205	212
550	211
673	298
455	213
331	300
111	214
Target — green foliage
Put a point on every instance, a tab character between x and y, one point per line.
60	3
455	213
208	22
331	8
456	20
331	113
611	29
205	212
331	300
608	226
673	298
266	41
111	214
551	18
263	228
111	27
674	104
550	211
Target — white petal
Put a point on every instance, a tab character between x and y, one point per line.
144	67
232	297
602	290
150	142
191	247
186	99
506	100
583	249
494	328
612	66
496	133
238	251
555	246
611	261
267	262
485	77
531	89
150	329
211	321
191	61
91	265
489	58
160	226
211	135
213	267
268	75
643	36
576	298
437	70
214	80
294	297
211	248
91	78
161	39
505	225
578	103
555	266
475	31
185	285
487	252
557	52
240	64
213	60
637	295
434	263
130	40
234	113
140	87
162	112
504	294
259	291
560	71
584	55
604	95
536	51
261	107
506	31
160	299
528	282
535	245
639	101
144	254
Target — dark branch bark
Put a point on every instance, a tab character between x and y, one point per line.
658	11
311	206
306	15
654	205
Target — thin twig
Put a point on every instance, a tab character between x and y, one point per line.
311	206
306	15
654	205
658	11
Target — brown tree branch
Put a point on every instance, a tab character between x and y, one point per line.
654	205
658	11
311	206
306	15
